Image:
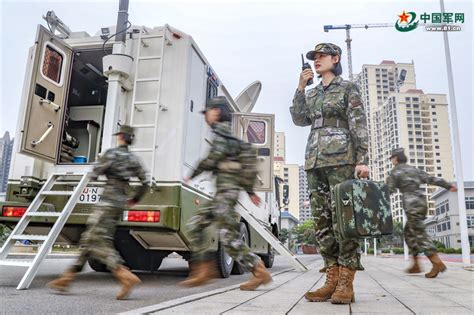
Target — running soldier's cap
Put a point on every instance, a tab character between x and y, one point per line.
124	129
217	102
397	152
324	48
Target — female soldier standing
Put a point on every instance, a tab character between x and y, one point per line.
336	149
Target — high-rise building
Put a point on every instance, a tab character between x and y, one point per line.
280	152
400	115
305	206
288	173
6	148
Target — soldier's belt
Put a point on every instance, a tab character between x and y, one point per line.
329	122
229	166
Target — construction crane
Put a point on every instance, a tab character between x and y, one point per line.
348	27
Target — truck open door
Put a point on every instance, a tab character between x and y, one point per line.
258	129
46	96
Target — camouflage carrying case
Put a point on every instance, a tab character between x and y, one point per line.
362	209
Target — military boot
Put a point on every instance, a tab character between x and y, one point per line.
201	273
324	293
344	293
61	284
438	266
260	276
415	268
127	279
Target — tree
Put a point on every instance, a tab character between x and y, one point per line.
284	235
4	232
305	233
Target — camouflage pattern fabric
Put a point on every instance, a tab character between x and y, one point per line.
223	152
223	149
119	165
332	145
408	179
222	216
324	48
332	246
97	242
363	209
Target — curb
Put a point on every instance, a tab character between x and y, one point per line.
184	300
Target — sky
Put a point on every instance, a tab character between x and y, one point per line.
262	40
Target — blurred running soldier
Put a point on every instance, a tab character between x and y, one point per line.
222	162
97	242
408	179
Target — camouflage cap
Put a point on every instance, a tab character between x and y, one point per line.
220	102
397	152
125	129
324	48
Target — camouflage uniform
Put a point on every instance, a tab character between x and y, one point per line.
408	180
336	143
220	212
97	242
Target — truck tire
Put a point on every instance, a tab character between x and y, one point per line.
97	266
224	262
237	269
135	256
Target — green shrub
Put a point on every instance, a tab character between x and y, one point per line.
458	250
449	250
440	250
385	250
370	251
472	250
397	250
438	244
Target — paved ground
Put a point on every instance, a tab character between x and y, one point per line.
94	293
382	288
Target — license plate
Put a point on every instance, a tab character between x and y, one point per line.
91	195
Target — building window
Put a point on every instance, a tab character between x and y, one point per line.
470	203
470	221
433	113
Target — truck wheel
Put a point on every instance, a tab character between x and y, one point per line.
269	258
244	236
97	266
224	262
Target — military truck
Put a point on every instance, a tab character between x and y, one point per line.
79	89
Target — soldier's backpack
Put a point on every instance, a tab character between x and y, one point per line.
362	209
247	160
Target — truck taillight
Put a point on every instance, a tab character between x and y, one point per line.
9	211
141	216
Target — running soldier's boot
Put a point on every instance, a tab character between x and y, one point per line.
201	273
127	279
324	293
61	284
260	276
415	268
438	266
344	293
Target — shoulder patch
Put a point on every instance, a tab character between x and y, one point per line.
311	93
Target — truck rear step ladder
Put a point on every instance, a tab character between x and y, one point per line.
47	241
270	238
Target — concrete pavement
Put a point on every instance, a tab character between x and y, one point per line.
382	288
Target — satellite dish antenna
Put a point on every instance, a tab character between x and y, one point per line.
246	100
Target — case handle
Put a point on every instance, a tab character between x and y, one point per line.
54	106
